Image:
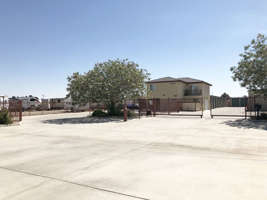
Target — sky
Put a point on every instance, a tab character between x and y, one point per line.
44	42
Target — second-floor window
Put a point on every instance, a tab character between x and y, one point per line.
193	90
152	87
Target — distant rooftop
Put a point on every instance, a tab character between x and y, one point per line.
171	79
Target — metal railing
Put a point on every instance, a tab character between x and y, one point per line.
189	92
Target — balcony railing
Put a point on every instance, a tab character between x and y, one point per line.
189	92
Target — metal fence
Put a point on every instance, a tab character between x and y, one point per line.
171	106
238	106
15	109
257	106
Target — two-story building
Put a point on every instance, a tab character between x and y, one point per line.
180	88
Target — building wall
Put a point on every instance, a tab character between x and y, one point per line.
192	106
206	96
262	100
166	90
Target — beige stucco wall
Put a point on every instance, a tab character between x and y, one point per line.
176	90
262	101
206	96
167	90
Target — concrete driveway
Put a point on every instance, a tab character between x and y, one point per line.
66	156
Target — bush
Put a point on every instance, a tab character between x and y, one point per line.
118	111
264	116
5	117
99	113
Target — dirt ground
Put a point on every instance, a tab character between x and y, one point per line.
69	156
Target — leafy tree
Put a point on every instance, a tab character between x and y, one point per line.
251	70
225	96
110	83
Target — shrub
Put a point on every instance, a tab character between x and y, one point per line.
5	117
264	116
99	113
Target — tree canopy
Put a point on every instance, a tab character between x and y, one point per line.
110	83
251	70
225	96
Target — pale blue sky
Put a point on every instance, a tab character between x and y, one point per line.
44	41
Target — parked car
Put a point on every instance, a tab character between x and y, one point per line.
132	106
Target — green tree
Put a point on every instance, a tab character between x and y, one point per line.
251	70
111	83
225	96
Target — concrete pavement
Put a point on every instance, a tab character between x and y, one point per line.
66	156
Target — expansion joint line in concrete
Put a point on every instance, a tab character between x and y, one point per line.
73	183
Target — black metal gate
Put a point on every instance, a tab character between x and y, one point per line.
171	106
231	107
15	109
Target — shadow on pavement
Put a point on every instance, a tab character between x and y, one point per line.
83	120
243	123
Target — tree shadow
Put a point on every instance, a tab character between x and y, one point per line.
243	123
83	120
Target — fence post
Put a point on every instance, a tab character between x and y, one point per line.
211	108
202	102
147	102
154	107
125	113
168	106
139	107
20	110
3	103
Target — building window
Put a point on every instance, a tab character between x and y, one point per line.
193	90
152	87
